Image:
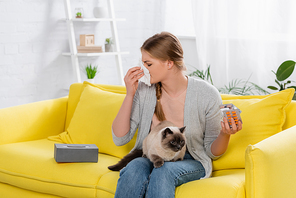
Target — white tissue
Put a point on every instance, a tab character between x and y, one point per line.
146	78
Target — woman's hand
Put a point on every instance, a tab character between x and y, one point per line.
226	128
131	80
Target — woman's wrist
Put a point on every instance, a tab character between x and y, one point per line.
129	96
224	135
220	145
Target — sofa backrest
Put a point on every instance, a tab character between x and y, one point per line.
77	88
234	156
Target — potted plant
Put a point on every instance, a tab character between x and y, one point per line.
91	72
78	12
236	86
108	45
283	72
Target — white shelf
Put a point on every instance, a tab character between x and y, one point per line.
95	54
95	19
72	39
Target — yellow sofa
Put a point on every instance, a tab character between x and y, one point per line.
260	160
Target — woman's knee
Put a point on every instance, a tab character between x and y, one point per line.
165	172
134	178
138	166
179	172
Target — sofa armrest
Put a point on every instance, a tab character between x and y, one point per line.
33	121
270	166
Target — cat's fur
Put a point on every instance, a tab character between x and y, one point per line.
165	142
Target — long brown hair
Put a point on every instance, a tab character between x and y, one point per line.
164	46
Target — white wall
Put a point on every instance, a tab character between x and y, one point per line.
33	36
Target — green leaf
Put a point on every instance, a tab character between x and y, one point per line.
208	75
91	71
272	88
259	89
277	82
285	70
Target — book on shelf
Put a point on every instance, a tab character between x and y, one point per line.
89	49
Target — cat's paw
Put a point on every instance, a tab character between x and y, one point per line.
157	161
158	164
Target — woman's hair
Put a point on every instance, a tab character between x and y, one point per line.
164	46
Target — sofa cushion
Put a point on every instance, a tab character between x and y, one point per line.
15	192
262	117
290	109
229	183
75	93
290	115
224	183
92	121
31	165
108	184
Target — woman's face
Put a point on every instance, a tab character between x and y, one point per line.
157	68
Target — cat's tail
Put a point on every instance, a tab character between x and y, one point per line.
126	159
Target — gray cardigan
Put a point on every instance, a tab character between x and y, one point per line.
201	117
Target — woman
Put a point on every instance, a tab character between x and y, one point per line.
180	99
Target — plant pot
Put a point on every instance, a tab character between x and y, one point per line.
78	12
108	48
91	80
100	12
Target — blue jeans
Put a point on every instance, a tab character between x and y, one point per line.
140	179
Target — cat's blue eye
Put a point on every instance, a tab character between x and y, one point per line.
173	142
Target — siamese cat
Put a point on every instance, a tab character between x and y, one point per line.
165	142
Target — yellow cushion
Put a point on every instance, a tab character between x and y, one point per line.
92	121
291	115
290	110
262	117
75	93
224	183
31	166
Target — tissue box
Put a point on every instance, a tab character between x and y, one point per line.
76	153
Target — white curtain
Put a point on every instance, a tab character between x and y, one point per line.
239	38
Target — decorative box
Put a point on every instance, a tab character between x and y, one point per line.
87	40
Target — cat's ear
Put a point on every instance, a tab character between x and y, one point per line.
182	129
166	131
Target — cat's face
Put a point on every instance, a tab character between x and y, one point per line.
173	138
